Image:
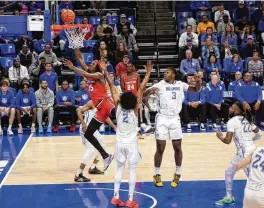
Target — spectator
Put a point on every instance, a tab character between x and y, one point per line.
102	50
221	27
65	100
194	49
49	56
118	29
189	65
248	49
23	40
226	50
219	15
109	39
202	26
238	79
255	67
44	102
24	8
90	34
82	95
35	70
121	67
208	34
16	13
120	52
128	38
109	66
130	81
249	93
229	35
98	4
25	56
7	105
40	44
188	34
51	78
213	65
201	74
194	106
33	6
200	5
100	28
241	11
246	32
64	4
235	65
215	101
17	72
25	105
241	24
209	49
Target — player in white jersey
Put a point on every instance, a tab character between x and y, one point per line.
126	148
88	110
254	191
170	95
240	128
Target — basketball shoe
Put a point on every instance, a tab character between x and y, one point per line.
117	202
225	201
81	178
157	180
131	204
107	161
175	181
95	171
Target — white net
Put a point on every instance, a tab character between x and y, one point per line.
76	36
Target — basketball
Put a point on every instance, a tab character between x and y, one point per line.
67	16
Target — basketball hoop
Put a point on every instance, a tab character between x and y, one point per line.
75	33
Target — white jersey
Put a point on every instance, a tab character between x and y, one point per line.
127	123
242	130
170	97
256	175
88	115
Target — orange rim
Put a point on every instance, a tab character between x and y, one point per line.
57	28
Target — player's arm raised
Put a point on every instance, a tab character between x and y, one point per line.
245	162
83	109
83	73
79	57
113	89
143	84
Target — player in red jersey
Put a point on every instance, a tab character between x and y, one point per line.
100	99
130	81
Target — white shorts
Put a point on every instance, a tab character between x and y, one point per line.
97	135
253	198
168	127
127	152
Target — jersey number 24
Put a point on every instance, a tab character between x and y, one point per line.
259	162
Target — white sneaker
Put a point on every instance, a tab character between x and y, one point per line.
102	128
1	132
20	130
107	161
33	129
202	127
214	126
189	128
10	132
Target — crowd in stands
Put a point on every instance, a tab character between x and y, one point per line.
224	50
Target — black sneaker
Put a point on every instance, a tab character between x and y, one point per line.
95	171
81	178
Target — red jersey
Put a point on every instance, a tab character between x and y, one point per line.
130	83
96	91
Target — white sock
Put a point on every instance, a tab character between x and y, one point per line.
118	178
132	181
9	127
93	166
157	171
178	170
79	172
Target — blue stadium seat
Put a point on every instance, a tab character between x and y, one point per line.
94	20
78	20
88	57
89	43
131	19
201	13
112	20
8	50
181	27
6	62
183	16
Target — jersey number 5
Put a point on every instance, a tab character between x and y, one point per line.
173	95
90	88
258	162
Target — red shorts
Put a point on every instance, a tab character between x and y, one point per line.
104	109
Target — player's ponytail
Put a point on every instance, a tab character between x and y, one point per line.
245	112
248	115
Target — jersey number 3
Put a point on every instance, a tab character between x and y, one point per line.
258	162
173	95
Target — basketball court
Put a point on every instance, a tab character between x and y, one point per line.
38	171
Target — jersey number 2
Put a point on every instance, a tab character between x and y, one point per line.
173	95
258	162
125	116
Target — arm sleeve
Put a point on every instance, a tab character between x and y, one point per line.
38	100
238	94
58	102
182	68
73	97
230	87
185	100
202	97
195	39
132	27
51	100
207	94
259	93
